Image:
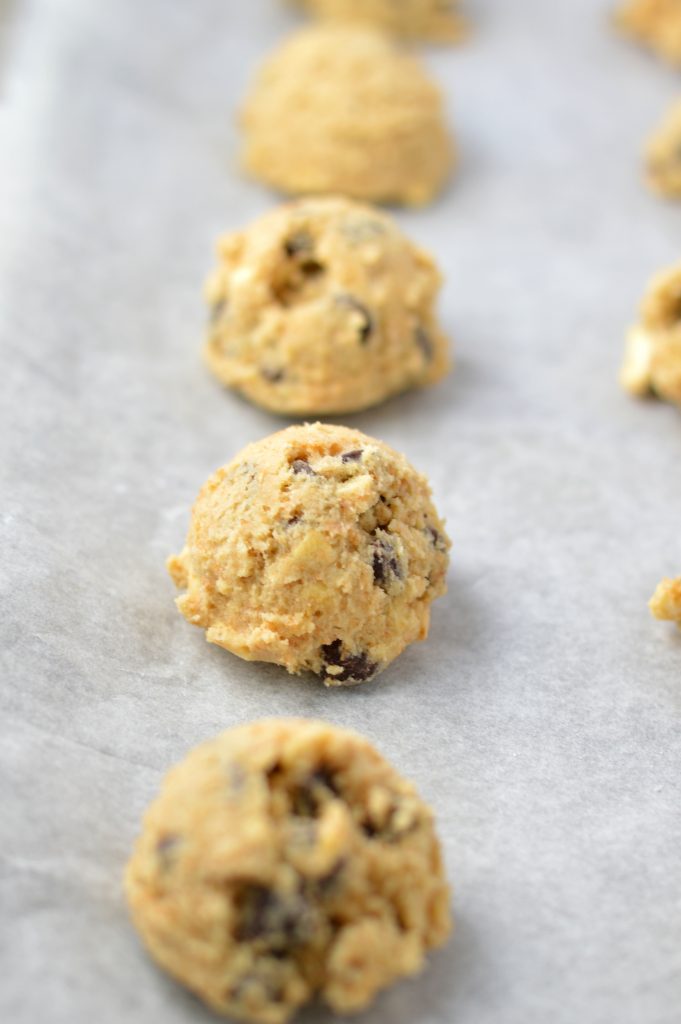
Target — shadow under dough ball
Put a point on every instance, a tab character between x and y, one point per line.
652	361
655	24
434	20
343	110
323	306
318	549
287	860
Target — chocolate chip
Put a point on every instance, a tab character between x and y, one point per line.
300	242
254	902
293	520
166	845
308	797
385	563
271	375
436	538
355	668
424	342
217	310
302	466
352	456
353	304
312	268
263	914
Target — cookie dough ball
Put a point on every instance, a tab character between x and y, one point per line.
663	157
342	110
436	20
654	23
318	549
652	364
666	601
323	306
286	860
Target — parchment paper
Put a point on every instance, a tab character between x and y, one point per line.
542	717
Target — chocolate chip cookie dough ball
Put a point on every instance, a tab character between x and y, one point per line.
654	23
652	363
436	20
342	110
665	603
323	306
317	548
286	860
663	156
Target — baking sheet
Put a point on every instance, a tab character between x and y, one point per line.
542	717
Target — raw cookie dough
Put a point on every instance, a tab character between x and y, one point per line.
324	306
284	860
663	156
652	363
317	548
656	24
435	20
343	110
666	601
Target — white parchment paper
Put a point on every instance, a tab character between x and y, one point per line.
542	717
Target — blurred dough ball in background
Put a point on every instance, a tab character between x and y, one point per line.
654	23
344	110
652	363
663	155
322	306
434	20
665	603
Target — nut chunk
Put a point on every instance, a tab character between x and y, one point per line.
322	306
666	601
318	549
652	363
435	20
343	110
663	157
286	860
654	23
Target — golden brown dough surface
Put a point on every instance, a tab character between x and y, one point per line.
317	548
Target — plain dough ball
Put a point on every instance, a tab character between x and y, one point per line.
656	24
317	548
323	306
666	601
342	110
285	860
652	363
663	156
435	20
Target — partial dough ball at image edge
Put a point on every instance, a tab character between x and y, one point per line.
318	549
341	110
652	362
655	24
663	156
287	860
323	306
431	20
665	604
